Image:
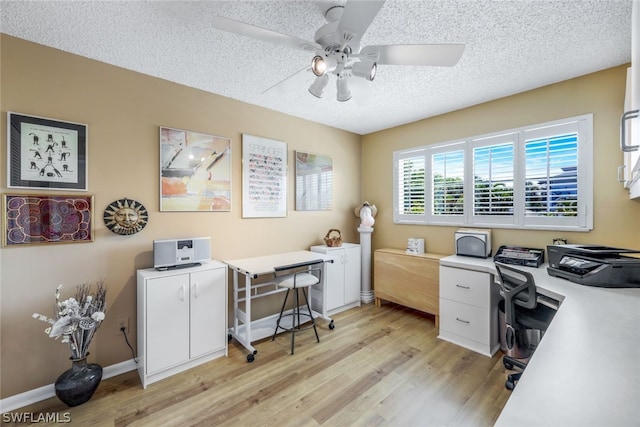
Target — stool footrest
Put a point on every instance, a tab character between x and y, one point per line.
300	327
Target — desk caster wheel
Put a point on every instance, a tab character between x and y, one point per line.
331	325
250	358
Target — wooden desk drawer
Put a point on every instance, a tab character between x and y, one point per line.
469	287
464	320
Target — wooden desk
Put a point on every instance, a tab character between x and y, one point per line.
409	280
244	330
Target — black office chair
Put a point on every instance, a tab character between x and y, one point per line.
525	320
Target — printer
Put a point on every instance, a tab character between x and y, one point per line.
594	265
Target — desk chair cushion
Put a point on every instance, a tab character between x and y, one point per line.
297	280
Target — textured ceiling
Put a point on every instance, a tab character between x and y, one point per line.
511	47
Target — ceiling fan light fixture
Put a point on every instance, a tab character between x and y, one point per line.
365	69
317	87
344	93
321	66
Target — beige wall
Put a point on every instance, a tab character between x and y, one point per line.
123	111
616	218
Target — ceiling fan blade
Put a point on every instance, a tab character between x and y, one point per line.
445	55
229	25
356	18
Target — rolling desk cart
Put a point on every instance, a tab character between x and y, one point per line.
246	331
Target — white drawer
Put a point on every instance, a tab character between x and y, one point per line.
465	320
469	287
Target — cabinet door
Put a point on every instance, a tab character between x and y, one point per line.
167	311
334	282
352	274
208	311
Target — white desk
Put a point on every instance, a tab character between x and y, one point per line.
586	370
244	329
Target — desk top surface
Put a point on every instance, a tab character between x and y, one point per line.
426	255
256	266
586	370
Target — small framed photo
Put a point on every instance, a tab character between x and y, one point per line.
40	219
46	153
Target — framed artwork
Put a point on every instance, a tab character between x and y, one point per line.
314	182
46	153
264	177
195	171
39	219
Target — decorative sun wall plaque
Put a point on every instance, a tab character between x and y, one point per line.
125	216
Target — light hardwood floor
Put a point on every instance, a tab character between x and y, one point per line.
378	367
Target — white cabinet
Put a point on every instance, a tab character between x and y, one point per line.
342	284
182	319
630	122
468	309
630	175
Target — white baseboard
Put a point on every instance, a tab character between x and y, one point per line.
41	393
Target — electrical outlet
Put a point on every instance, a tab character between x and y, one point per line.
123	323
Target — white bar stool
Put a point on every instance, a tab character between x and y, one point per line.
296	282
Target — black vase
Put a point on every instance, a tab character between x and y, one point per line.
76	385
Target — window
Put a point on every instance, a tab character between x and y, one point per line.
533	177
409	179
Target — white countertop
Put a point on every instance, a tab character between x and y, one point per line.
586	369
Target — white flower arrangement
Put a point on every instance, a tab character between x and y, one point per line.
78	318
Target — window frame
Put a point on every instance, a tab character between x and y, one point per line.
583	221
403	218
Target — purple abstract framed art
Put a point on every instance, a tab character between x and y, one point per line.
40	219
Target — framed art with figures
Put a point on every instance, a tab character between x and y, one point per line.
46	153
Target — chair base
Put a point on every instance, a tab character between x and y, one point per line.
297	324
510	363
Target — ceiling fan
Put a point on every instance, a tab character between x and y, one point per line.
336	47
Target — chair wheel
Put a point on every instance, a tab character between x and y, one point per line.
508	365
250	358
509	385
331	325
